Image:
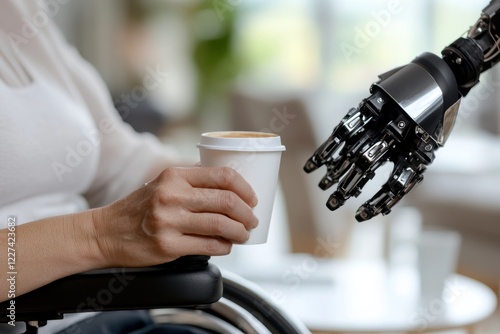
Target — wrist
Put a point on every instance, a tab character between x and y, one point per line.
103	237
88	235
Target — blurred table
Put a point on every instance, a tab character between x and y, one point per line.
342	296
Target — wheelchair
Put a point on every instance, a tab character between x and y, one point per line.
189	291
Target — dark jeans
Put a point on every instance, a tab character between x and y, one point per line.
128	322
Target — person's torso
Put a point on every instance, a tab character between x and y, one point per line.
49	148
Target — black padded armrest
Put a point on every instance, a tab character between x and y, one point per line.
187	282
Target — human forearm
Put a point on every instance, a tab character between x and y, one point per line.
49	249
183	211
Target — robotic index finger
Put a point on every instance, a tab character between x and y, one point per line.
409	115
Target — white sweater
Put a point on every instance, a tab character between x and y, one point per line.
63	146
60	135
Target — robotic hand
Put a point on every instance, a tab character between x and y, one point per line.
409	115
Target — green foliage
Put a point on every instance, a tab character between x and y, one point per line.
216	62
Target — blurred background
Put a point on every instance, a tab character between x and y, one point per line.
178	68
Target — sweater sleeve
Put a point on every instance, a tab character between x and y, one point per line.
126	157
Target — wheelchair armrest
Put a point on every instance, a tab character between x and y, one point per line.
187	282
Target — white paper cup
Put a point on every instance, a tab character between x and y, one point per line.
438	251
256	156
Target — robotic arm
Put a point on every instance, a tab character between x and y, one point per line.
409	115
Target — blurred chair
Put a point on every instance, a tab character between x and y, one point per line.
287	117
461	192
479	226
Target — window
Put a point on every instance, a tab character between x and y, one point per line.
332	51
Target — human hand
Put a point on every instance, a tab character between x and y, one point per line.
183	211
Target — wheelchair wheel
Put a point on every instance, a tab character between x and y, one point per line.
243	309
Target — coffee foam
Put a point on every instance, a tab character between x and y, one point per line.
241	134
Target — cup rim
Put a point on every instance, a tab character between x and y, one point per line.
242	149
271	143
267	134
